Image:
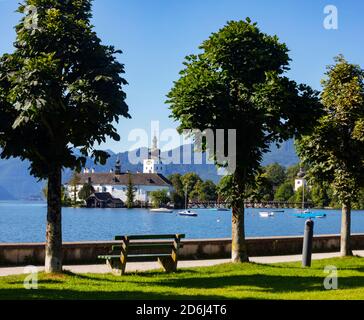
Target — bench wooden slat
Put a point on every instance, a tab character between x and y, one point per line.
151	237
133	256
137	246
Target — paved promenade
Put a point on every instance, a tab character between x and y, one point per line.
146	266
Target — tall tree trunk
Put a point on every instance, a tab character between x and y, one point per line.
345	247
238	246
53	254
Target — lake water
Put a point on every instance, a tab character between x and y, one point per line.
25	222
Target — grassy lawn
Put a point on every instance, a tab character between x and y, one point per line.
246	281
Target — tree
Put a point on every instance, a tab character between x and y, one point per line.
359	203
74	182
176	180
237	82
276	174
334	151
204	191
60	90
177	195
208	191
261	189
86	191
130	193
297	197
319	195
284	192
160	198
189	181
292	172
65	200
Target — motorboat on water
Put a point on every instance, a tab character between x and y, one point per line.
266	214
188	213
161	210
310	215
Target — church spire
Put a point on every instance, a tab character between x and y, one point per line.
155	142
118	166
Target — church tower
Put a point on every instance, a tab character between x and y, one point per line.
118	166
300	181
154	163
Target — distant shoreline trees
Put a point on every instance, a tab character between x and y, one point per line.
130	193
197	189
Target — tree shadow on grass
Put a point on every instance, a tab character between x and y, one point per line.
61	294
267	283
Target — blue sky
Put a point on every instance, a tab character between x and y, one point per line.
155	36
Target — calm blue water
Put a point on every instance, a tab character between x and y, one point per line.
25	222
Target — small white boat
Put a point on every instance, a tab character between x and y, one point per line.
161	210
188	213
266	214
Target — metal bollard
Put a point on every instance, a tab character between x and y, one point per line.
307	244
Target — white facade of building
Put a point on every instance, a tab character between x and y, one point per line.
298	183
142	192
154	162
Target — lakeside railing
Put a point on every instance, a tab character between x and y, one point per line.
249	204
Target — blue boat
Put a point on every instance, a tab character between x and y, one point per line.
310	215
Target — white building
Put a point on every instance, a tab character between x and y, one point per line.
116	183
154	162
300	181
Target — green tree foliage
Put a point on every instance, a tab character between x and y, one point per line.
177	195
60	89
130	193
261	189
297	197
284	192
320	196
359	203
160	198
74	182
334	151
189	181
276	174
292	172
204	191
237	82
66	201
86	191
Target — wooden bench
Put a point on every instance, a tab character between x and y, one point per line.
163	247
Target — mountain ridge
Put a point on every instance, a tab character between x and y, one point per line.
16	183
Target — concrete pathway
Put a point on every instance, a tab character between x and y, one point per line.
146	266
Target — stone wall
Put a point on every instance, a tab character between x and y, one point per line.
87	252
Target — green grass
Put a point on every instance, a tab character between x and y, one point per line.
228	281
